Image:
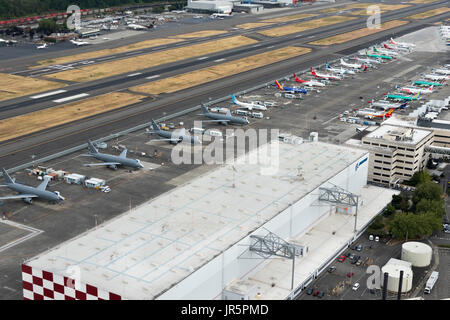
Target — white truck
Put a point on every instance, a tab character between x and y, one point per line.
431	282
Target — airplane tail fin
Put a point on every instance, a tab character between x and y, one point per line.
204	109
154	125
403	105
313	72
7	177
327	65
278	85
234	98
91	147
418	95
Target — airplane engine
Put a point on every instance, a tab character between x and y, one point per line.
27	200
112	166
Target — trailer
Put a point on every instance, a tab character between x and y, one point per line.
431	282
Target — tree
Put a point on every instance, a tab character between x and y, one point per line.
432	207
419	177
390	210
427	190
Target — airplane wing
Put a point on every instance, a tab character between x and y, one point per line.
102	164
19	196
123	154
43	184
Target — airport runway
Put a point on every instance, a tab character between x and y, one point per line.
20	150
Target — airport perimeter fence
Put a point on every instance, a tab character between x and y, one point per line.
165	118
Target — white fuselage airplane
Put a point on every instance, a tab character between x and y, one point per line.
79	43
352	65
386	105
309	83
396	48
42	46
435	77
136	27
385	52
249	106
442	71
326	76
367	60
340	71
403	44
414	90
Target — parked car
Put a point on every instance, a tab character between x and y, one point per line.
350	274
377	238
341	259
355	286
351	256
359	247
316	292
331	269
321	294
310	291
359	262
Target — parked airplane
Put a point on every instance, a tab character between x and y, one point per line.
27	193
310	83
395	47
353	65
382	56
223	118
435	77
367	60
43	46
79	43
398	97
371	113
403	44
385	52
414	90
290	89
385	105
173	137
326	76
136	26
249	106
221	15
427	83
112	161
442	71
340	71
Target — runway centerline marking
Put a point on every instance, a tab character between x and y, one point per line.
81	95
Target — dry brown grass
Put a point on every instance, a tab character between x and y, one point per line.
383	7
252	25
12	86
344	37
428	14
220	71
105	52
290	18
329	10
307	25
111	68
422	1
199	34
52	117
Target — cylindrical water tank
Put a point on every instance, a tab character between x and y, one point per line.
394	277
314	136
418	253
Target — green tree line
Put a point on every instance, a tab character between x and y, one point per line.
413	216
22	8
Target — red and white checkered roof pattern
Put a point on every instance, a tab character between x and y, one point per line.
44	285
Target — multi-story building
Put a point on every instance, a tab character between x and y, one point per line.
396	153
